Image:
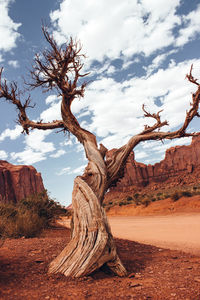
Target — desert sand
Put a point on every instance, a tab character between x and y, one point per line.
176	232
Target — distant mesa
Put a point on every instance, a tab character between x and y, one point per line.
18	182
181	166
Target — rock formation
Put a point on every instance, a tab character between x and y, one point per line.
18	182
181	165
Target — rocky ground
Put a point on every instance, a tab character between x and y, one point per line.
154	273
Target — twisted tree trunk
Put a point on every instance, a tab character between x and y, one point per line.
92	243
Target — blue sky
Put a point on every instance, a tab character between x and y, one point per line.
138	51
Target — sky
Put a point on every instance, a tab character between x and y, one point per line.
137	52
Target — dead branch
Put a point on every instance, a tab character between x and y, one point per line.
11	94
59	67
115	165
158	123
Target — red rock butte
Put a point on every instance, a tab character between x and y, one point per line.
180	166
18	182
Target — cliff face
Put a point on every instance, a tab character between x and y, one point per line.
181	165
18	182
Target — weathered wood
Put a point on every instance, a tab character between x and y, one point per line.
92	243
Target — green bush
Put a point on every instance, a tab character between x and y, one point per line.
175	196
186	194
129	198
29	216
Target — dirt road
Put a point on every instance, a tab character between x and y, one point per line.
176	232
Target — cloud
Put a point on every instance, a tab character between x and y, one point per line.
58	153
28	156
157	62
11	133
52	112
3	154
52	99
66	170
117	28
36	149
13	63
116	114
140	155
191	27
8	28
70	171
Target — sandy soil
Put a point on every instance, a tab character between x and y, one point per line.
177	232
153	273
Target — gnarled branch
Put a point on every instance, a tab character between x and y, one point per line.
12	95
116	164
59	67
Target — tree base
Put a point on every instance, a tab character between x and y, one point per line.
92	243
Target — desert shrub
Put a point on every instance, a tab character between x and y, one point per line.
146	201
29	216
136	195
186	194
27	224
175	196
129	198
159	194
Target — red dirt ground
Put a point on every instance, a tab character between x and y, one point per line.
154	273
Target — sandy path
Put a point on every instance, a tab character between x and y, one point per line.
177	232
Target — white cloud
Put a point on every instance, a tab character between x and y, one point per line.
70	171
28	156
53	112
58	153
111	28
52	99
35	141
116	113
11	133
8	28
191	27
3	154
36	149
66	143
14	63
140	154
66	170
157	62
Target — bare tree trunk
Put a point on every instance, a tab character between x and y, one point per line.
92	243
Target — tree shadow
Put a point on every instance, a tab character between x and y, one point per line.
135	257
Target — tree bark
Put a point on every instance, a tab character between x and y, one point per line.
92	242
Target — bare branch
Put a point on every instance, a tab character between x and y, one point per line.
11	94
60	68
115	164
158	123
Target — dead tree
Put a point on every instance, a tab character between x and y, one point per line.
92	243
